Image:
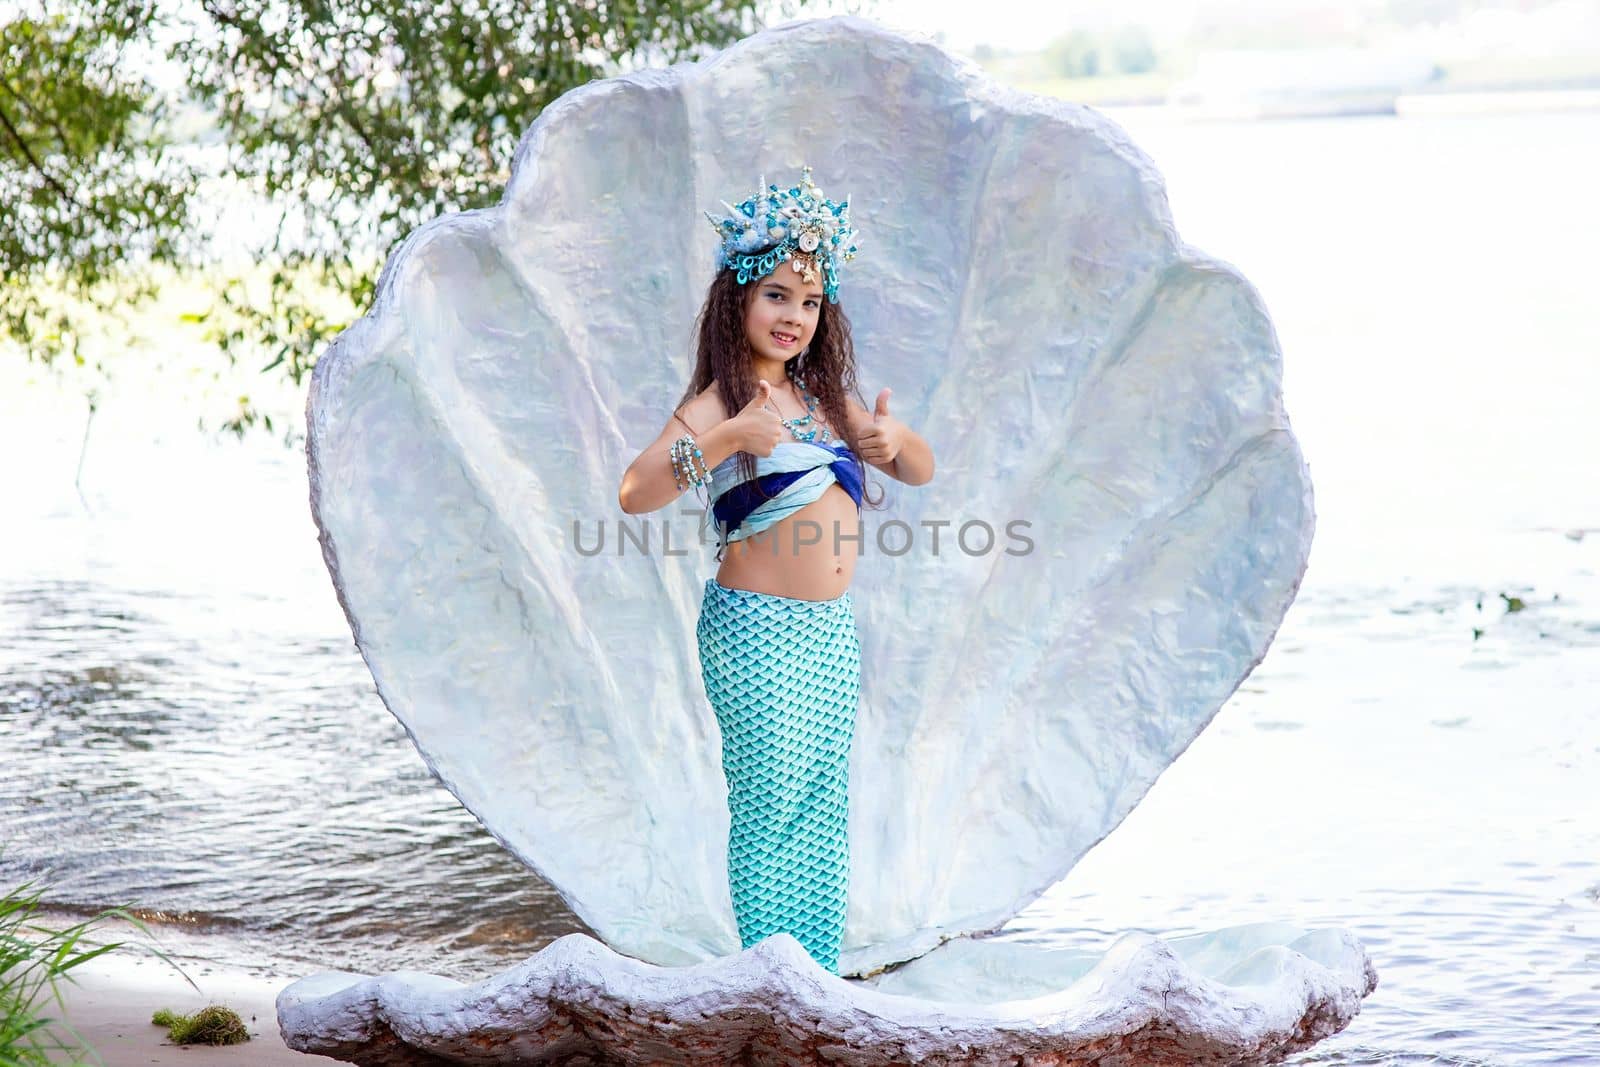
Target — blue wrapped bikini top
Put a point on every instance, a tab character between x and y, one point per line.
797	473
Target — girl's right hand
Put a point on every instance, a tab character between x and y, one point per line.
759	425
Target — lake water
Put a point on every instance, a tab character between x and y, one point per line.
185	722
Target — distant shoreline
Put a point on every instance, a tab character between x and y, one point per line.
1409	104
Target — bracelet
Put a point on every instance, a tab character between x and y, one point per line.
685	454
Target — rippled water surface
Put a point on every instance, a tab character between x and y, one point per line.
185	722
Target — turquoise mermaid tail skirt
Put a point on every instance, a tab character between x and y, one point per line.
784	677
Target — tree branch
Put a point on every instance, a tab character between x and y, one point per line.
5	120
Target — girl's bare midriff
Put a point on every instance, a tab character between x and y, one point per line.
797	557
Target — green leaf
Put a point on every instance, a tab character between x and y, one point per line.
360	118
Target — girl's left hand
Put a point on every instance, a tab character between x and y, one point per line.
883	438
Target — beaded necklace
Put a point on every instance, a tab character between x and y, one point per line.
795	425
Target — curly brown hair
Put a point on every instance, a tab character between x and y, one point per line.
724	356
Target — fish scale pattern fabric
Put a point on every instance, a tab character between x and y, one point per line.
783	676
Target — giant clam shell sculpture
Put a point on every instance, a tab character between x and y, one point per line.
1074	365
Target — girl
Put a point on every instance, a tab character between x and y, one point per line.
770	426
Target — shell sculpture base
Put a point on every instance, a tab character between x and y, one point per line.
1073	364
1246	995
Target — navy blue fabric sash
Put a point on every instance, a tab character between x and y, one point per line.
737	503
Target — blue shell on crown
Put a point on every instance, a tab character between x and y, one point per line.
796	224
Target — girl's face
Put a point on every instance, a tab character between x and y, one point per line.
781	315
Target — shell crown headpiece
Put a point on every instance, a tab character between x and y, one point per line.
797	225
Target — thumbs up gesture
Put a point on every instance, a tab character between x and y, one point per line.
883	438
760	426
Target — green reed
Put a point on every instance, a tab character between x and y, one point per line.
33	961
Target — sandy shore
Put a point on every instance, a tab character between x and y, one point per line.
114	995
